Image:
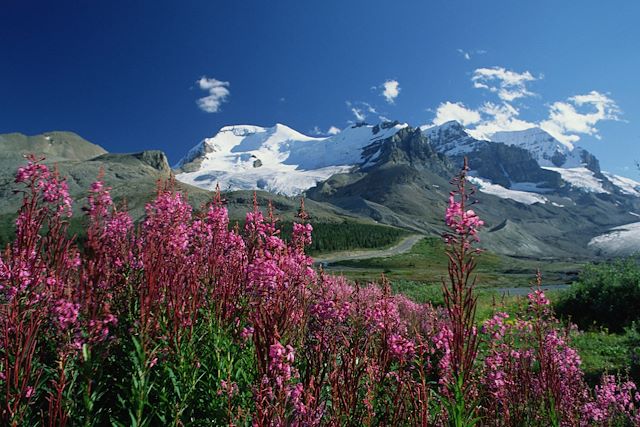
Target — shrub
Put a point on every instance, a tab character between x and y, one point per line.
605	295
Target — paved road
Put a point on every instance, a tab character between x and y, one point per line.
404	246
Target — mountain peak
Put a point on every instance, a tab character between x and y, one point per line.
451	125
530	134
451	138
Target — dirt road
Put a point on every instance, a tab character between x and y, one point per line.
403	246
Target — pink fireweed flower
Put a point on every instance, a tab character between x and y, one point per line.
496	326
99	328
538	298
280	360
66	314
614	400
99	200
52	189
29	392
247	333
167	222
302	233
228	388
400	347
463	223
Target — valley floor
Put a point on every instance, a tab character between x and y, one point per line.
421	259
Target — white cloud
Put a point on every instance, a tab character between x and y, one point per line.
468	54
369	108
359	114
331	131
565	121
464	54
508	85
360	109
391	90
448	111
218	93
498	117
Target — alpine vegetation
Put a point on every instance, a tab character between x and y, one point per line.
184	319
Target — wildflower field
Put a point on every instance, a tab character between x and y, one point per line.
184	320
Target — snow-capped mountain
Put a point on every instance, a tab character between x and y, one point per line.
576	165
548	151
278	159
497	166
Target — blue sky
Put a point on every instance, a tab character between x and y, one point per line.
129	75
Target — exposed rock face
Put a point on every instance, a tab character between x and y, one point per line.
154	158
54	146
384	125
500	163
409	146
452	139
192	161
506	165
590	161
558	159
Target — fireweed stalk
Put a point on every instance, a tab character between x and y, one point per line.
103	288
531	375
279	276
37	274
459	299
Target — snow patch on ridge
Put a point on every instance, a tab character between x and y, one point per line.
626	185
506	193
581	178
530	187
624	239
